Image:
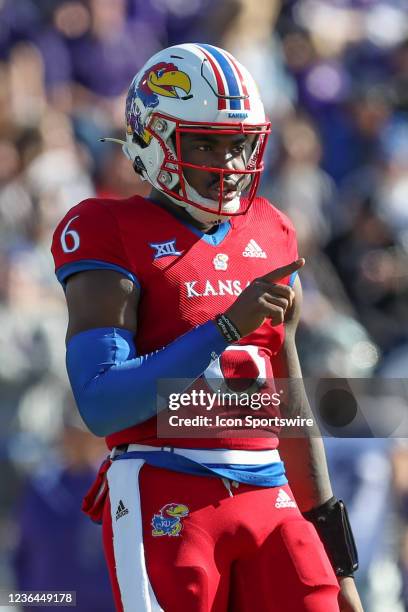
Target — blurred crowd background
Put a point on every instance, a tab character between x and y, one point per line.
334	78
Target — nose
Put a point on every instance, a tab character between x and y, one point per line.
230	165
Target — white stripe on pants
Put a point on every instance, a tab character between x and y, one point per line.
135	588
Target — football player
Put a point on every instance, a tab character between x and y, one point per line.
198	283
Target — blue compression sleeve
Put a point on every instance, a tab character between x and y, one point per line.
115	389
292	279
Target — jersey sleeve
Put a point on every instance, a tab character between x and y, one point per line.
88	238
292	246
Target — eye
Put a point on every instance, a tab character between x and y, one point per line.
203	147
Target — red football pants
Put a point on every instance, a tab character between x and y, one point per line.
210	552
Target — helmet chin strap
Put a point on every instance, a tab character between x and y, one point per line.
204	216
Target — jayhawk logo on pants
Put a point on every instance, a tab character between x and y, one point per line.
168	520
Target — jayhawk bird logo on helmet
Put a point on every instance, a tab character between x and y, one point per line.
163	80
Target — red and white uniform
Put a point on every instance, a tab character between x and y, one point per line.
230	552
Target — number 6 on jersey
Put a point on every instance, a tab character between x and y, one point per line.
73	235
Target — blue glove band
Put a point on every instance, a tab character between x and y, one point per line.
114	389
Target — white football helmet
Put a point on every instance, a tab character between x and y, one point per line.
193	88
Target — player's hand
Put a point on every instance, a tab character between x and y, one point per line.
264	299
348	598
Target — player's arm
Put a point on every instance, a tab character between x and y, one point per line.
302	451
306	466
113	386
101	298
304	455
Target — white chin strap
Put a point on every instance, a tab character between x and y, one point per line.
203	215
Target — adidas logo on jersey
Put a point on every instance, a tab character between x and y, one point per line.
121	511
283	500
253	249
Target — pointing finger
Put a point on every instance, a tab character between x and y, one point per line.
283	272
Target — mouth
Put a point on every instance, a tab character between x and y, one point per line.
228	193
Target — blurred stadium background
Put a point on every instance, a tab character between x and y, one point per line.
334	77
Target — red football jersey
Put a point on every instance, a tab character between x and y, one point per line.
186	277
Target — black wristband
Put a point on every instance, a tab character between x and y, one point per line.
333	526
227	328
